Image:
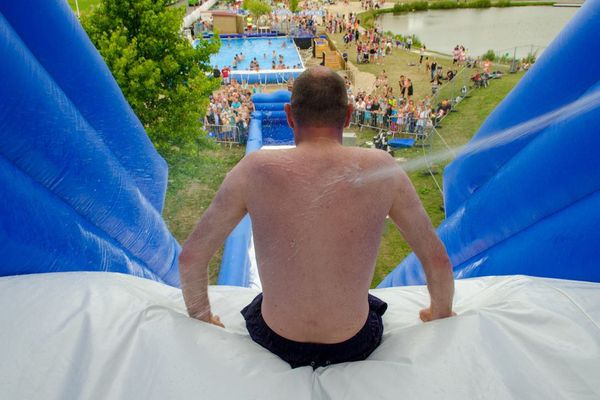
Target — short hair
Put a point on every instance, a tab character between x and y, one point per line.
319	98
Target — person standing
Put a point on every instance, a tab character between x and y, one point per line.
433	68
225	75
435	85
401	83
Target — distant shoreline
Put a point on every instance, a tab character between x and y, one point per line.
367	18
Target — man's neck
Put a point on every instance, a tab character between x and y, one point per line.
320	136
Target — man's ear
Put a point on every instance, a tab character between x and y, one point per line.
349	112
287	107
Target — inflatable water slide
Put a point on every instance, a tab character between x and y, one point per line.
90	304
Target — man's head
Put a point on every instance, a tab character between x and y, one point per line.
319	100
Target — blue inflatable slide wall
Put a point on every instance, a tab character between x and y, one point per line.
83	187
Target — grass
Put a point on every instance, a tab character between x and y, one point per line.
193	182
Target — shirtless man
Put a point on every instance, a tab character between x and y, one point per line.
318	212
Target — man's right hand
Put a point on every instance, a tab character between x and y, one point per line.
209	318
215	320
427	315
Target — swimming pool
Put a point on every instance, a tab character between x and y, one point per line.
265	50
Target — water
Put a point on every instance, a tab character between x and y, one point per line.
257	47
479	30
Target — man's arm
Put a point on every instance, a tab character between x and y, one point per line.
411	219
225	212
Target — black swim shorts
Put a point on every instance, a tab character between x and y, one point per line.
299	354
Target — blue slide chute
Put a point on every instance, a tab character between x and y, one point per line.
530	205
268	126
84	186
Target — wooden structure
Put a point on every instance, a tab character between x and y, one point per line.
323	49
226	22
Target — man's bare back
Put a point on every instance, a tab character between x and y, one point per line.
317	216
318	213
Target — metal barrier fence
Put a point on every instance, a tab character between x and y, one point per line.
229	134
394	125
460	86
518	57
453	90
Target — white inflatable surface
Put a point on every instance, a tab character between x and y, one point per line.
111	336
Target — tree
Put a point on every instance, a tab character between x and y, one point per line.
293	5
489	55
164	79
257	8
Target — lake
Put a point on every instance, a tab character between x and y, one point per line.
479	30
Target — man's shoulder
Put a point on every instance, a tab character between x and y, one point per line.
261	157
376	156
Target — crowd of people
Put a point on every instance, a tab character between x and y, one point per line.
229	111
304	24
398	114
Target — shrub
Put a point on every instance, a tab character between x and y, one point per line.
416	41
477	4
531	58
400	8
489	55
257	8
444	5
293	5
503	3
506	58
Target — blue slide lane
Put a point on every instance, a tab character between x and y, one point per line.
530	206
